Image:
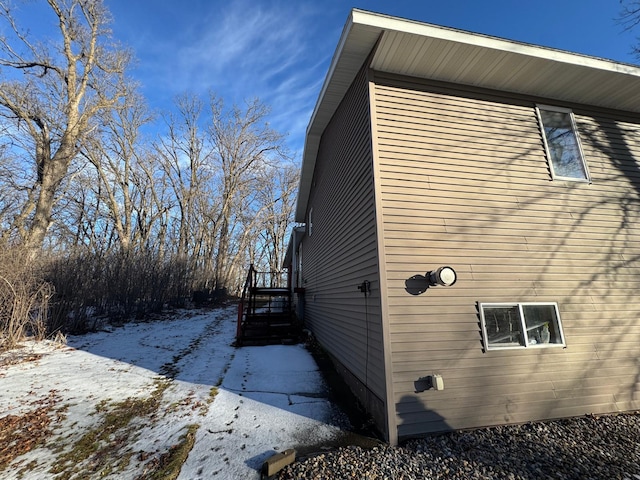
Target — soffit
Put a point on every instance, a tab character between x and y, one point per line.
503	65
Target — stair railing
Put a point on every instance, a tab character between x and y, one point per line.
245	301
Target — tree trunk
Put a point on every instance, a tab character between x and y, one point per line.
52	171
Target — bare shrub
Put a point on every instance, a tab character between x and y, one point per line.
115	287
74	307
24	297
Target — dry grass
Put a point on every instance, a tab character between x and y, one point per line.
103	449
168	465
24	298
22	433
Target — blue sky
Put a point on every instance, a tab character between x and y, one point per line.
279	50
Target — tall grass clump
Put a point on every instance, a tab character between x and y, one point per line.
24	297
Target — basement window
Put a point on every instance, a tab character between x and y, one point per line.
521	325
562	144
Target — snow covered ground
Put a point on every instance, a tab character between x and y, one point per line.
176	375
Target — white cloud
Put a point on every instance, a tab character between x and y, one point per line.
274	50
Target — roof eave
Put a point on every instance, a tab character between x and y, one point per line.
355	44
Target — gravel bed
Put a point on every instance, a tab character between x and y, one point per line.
592	447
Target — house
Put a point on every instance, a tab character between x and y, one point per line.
471	246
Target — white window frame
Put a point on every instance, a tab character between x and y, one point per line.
523	326
574	128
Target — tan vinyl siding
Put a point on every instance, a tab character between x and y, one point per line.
341	253
465	182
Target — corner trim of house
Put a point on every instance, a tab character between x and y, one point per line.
392	427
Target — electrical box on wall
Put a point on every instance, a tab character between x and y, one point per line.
434	381
437	382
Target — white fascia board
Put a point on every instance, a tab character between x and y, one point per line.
332	67
385	22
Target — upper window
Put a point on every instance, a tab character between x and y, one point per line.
562	144
520	325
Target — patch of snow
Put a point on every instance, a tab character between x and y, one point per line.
267	399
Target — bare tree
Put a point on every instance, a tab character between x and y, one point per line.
114	155
260	228
152	204
243	144
82	216
630	18
54	106
185	161
279	197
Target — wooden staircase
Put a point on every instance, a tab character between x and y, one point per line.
265	314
